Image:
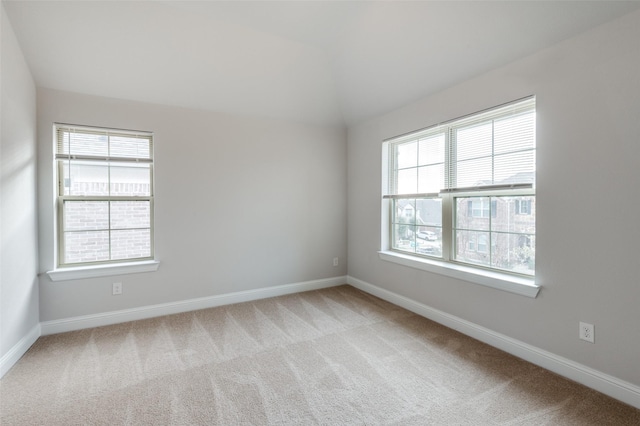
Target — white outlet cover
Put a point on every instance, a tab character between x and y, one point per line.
587	332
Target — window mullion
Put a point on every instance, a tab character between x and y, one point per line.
109	227
110	196
60	217
61	228
447	199
447	227
151	175
60	178
490	248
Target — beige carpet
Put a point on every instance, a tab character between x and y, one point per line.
331	357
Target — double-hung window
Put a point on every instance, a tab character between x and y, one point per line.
464	191
104	195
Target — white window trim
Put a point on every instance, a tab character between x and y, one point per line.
506	282
108	267
494	278
103	270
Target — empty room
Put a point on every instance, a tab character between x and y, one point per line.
320	212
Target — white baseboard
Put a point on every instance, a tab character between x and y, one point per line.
9	359
115	317
601	382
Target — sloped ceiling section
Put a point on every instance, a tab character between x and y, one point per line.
319	62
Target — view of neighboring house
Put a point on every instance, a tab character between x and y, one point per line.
497	231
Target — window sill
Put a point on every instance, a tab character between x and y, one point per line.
518	285
107	270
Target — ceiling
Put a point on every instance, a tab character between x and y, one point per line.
324	62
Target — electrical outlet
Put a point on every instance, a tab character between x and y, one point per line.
117	288
586	332
335	261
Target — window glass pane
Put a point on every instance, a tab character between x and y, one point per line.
429	226
474	141
86	246
85	178
86	215
407	181
524	206
407	155
508	218
473	213
431	150
429	240
430	178
510	245
404	237
129	147
483	244
63	167
417	226
525	255
514	252
130	214
429	248
404	230
474	172
134	179
473	247
405	211
131	243
429	212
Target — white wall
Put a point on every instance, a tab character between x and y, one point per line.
588	199
240	203
18	228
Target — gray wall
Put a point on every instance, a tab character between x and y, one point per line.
588	199
18	223
240	204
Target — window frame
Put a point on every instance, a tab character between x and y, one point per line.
447	263
109	266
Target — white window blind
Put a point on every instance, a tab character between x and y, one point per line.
493	148
103	144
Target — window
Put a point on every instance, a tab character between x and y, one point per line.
482	244
471	244
104	195
523	206
480	207
471	183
